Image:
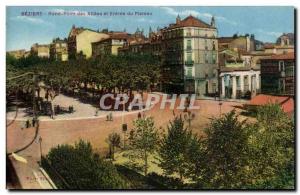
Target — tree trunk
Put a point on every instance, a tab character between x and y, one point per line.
52	109
85	86
146	163
180	175
39	92
113	152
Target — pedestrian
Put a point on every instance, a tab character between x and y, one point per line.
33	122
96	112
111	116
139	115
27	123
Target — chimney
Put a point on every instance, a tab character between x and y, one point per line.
150	31
178	20
213	22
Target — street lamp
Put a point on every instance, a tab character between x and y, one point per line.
40	141
124	129
220	108
124	125
189	117
186	104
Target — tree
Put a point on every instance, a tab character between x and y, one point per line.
114	140
226	152
195	159
81	168
272	149
144	140
173	148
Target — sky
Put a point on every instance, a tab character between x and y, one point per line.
266	23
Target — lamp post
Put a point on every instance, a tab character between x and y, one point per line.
124	125
40	141
124	130
189	117
220	108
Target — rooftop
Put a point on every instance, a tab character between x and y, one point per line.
287	56
286	102
190	21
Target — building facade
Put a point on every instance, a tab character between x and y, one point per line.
190	57
40	50
109	46
237	43
59	50
278	49
80	42
239	76
278	74
150	45
17	53
286	39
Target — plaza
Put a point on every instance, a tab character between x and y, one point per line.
82	124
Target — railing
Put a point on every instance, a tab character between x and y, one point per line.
188	48
189	76
189	62
58	180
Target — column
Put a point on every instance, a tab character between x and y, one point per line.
250	82
242	83
233	87
223	86
257	82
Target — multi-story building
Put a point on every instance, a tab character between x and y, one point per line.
278	49
278	74
110	45
151	46
59	50
286	39
283	45
238	43
80	42
40	50
17	53
143	45
190	57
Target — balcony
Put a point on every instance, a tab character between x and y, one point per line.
189	48
189	63
189	76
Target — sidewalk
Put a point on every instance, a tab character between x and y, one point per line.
29	174
81	111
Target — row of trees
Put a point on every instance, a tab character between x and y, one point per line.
233	154
87	80
78	167
111	74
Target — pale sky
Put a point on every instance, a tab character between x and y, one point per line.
267	23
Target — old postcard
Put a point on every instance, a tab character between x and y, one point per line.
150	98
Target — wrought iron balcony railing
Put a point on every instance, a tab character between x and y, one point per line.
189	63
